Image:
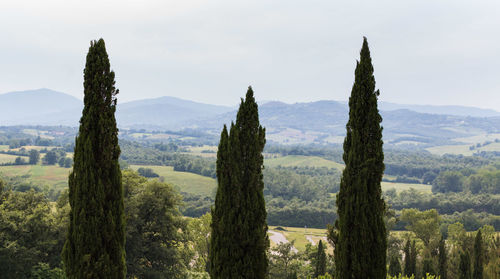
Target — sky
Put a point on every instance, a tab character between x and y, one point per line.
424	52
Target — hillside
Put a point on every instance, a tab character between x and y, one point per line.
299	123
39	107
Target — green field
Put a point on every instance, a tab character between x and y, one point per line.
299	235
4	147
405	186
302	161
463	145
6	158
199	151
184	181
36	147
451	149
478	138
53	176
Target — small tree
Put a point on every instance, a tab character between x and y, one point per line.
407	260
50	158
320	260
464	266
394	266
34	157
478	257
19	161
442	272
413	258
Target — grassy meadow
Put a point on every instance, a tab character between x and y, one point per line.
300	236
184	181
302	161
53	176
6	158
405	186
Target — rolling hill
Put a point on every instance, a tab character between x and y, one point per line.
299	123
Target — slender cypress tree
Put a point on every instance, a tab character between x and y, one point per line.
478	257
361	248
394	266
427	266
464	266
442	259
95	242
413	259
239	229
407	269
320	261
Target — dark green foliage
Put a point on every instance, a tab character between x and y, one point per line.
283	261
394	266
464	267
147	172
410	252
413	258
478	257
320	261
34	157
20	161
154	228
95	247
361	248
427	266
65	162
407	259
442	260
29	234
448	181
239	230
50	158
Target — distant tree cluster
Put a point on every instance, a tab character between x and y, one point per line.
147	172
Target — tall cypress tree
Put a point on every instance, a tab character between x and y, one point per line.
413	259
239	229
407	268
95	242
442	261
478	257
394	266
464	266
361	247
320	261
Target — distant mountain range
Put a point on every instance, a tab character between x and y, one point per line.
321	121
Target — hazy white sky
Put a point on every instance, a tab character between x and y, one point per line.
424	52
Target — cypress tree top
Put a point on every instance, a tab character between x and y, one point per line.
361	248
96	236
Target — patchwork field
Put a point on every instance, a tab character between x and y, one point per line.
405	186
6	158
184	181
203	151
451	149
301	236
302	161
53	176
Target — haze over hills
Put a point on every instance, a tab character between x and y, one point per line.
449	110
314	122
